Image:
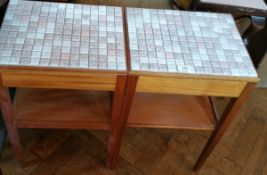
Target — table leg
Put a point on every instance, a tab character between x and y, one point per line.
118	121
228	115
8	116
117	102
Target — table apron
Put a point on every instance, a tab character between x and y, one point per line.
190	86
90	81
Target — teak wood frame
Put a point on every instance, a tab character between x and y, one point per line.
31	78
135	84
124	85
238	89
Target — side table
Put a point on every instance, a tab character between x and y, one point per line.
63	73
178	61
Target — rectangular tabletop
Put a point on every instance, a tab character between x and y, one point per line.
58	35
204	50
58	45
180	42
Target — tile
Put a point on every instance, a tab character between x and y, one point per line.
186	42
62	35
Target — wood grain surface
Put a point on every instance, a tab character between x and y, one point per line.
44	108
146	152
189	86
149	151
171	111
59	79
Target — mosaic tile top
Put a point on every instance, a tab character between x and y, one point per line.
47	34
186	42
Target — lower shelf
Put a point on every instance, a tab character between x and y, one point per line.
171	111
44	108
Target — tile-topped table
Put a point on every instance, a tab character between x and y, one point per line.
55	54
187	42
62	35
178	60
48	47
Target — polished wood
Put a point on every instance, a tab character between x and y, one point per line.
90	109
171	111
8	116
115	128
59	79
121	122
229	114
242	151
189	86
58	108
150	151
123	98
117	123
194	76
126	39
214	109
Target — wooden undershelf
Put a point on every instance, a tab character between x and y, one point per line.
44	108
171	111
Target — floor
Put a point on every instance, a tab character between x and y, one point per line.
242	151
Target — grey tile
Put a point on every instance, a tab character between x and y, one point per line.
186	42
62	35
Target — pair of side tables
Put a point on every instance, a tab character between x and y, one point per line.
97	67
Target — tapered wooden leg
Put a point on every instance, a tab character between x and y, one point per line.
117	102
8	116
118	121
228	115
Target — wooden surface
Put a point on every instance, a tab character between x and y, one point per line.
122	121
115	128
67	108
9	116
229	114
26	61
171	111
42	108
189	86
149	151
59	79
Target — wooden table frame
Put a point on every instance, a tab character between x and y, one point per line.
50	79
124	85
34	80
145	83
238	89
